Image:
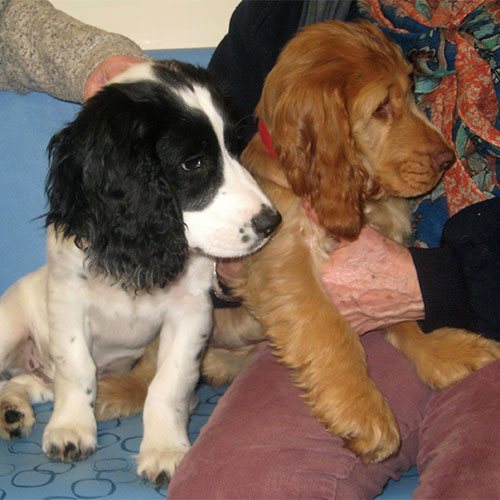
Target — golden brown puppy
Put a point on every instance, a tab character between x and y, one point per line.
349	143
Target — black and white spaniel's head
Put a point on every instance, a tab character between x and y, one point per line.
148	172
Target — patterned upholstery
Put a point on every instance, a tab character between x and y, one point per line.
455	49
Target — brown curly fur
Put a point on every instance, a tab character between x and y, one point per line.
351	143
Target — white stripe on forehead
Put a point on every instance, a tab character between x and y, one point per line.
137	72
199	97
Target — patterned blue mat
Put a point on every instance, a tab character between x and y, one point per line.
27	473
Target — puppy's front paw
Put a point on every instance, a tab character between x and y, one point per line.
459	354
158	466
445	356
68	444
376	435
16	417
363	420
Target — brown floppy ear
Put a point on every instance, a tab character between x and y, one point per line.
311	135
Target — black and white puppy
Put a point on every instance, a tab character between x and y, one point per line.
144	190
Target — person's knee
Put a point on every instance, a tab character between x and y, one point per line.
263	442
460	440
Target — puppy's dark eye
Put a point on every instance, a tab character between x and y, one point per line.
383	110
413	78
192	163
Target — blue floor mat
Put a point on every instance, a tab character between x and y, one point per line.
401	489
27	473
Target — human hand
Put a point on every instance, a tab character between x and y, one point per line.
229	269
373	282
106	71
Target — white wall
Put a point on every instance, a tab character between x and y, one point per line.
157	24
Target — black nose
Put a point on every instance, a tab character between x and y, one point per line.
445	159
266	221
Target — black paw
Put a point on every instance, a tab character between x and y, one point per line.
13	416
162	479
12	422
70	453
15	433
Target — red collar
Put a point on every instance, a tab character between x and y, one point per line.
266	137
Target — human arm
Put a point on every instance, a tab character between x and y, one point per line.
107	70
258	29
44	49
460	280
373	282
376	282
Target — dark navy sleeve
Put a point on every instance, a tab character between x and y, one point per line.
258	30
460	280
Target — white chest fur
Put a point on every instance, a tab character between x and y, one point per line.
118	323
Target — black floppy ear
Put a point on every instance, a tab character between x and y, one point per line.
106	187
68	206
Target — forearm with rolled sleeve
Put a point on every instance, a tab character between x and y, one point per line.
43	49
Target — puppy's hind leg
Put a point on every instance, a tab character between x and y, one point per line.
220	366
17	396
231	346
22	315
445	356
124	395
235	334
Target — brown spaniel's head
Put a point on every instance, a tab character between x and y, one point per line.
344	123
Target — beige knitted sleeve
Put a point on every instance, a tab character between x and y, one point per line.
44	49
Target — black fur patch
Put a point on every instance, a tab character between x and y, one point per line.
13	416
125	169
